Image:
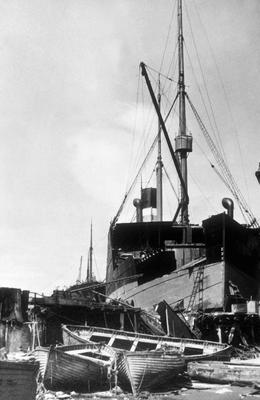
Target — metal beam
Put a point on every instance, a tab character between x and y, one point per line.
161	120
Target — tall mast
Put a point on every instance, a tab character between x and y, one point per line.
183	141
90	258
159	165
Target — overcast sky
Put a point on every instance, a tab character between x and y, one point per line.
68	81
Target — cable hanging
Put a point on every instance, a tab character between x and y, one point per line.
134	181
170	182
226	175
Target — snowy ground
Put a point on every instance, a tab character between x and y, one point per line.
197	391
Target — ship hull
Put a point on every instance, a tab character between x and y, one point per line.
221	254
176	288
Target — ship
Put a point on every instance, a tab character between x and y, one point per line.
213	267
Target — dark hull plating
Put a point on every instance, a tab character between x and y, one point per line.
139	272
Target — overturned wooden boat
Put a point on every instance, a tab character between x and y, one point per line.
82	367
148	370
191	349
18	379
236	372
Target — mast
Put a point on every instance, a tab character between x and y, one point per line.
183	141
90	258
159	164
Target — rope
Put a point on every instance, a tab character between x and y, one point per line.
226	99
217	137
243	208
168	34
227	177
134	181
134	129
159	73
167	175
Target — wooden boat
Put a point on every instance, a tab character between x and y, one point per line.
148	370
236	372
18	379
192	349
81	367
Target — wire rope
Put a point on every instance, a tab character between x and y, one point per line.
134	130
134	180
226	99
230	182
147	124
170	182
216	130
168	34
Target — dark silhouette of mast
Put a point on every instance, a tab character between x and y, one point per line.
159	165
90	258
183	141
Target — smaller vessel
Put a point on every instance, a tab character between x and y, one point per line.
18	379
191	349
236	372
148	370
81	367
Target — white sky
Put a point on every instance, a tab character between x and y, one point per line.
68	81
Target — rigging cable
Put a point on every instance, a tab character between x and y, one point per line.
226	99
228	182
207	200
168	34
149	180
138	173
245	210
134	181
170	182
146	123
225	171
159	73
218	137
174	61
215	170
134	128
202	99
163	92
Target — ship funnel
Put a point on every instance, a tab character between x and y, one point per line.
228	204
